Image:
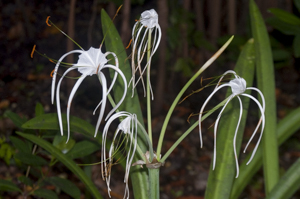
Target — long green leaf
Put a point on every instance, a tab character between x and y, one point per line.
45	193
266	83
114	44
220	180
68	162
285	129
285	16
65	185
283	27
6	185
288	184
30	159
50	122
82	149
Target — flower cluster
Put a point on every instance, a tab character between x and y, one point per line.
146	36
92	62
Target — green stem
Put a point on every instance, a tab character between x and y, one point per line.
171	149
208	63
153	183
149	121
149	142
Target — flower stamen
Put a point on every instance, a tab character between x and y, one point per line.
33	49
47	21
129	44
51	74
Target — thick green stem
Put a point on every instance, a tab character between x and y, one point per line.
149	121
208	63
153	183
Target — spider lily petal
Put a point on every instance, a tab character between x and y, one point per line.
90	62
147	24
238	87
128	126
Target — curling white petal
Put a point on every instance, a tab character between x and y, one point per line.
216	128
58	100
202	108
74	89
234	138
55	71
104	93
262	127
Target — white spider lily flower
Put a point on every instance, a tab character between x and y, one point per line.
128	126
90	62
238	87
147	24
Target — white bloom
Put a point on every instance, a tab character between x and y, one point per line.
238	87
141	29
89	63
128	126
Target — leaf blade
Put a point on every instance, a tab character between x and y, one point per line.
266	84
66	161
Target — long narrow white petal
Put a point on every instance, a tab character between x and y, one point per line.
55	71
74	89
58	100
234	139
262	127
104	97
202	108
125	89
113	80
140	58
216	128
133	58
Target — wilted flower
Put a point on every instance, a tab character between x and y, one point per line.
238	87
128	126
89	63
147	23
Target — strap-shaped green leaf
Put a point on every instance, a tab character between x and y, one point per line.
285	16
221	179
288	184
113	43
285	28
266	83
68	162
